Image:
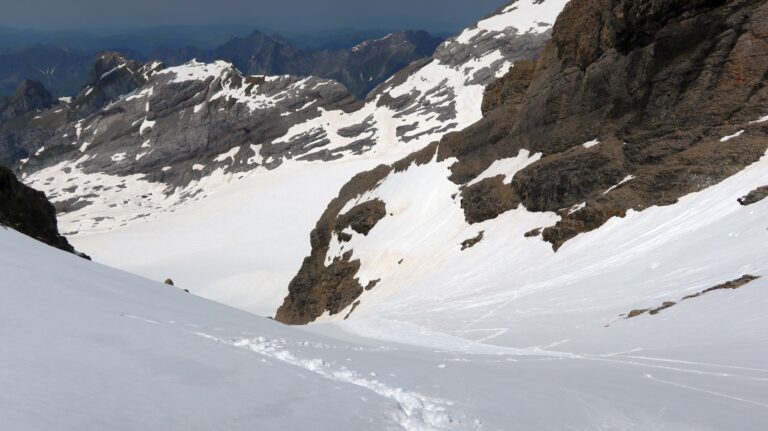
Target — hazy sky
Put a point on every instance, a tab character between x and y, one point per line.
278	15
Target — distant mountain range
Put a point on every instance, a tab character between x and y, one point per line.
359	59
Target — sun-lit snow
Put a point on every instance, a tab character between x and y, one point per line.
729	137
626	179
507	167
196	71
524	16
506	334
501	348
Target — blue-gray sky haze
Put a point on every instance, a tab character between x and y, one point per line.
288	16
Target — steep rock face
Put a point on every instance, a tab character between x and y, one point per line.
631	105
653	96
29	212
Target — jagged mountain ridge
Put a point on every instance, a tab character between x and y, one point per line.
65	71
601	124
360	68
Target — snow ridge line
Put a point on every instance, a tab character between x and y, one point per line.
417	412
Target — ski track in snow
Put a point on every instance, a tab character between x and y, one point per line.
417	411
420	412
706	391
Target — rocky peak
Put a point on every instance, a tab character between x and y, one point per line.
28	97
112	76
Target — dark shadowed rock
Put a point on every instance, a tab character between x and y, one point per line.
29	212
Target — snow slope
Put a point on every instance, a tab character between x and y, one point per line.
87	346
513	290
241	245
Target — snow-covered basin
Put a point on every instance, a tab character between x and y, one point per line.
241	245
89	347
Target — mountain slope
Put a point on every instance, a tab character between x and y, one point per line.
127	353
576	161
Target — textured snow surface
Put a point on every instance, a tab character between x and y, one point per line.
89	347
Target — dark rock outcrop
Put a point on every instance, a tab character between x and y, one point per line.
754	196
362	218
318	287
29	212
332	286
729	285
469	243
